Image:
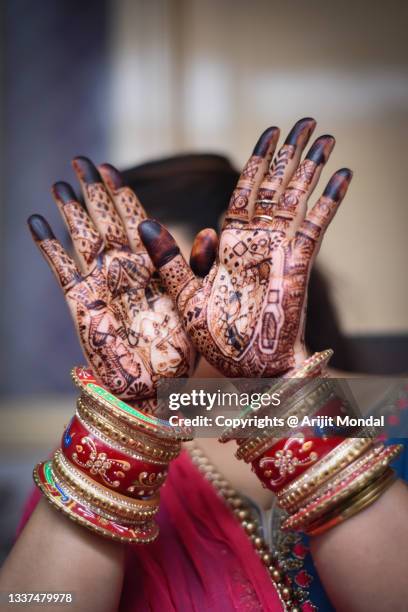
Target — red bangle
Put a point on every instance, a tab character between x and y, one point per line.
288	458
127	473
112	461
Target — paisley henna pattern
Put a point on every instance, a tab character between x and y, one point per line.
247	315
128	327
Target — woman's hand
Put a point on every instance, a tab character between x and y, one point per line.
247	315
127	325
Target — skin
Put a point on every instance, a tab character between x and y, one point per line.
361	573
74	561
128	328
247	315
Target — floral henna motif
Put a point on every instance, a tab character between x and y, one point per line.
247	315
128	326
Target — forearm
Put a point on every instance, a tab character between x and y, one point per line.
55	555
363	562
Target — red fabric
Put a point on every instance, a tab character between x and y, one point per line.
202	560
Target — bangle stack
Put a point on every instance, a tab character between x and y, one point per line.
112	462
320	479
361	484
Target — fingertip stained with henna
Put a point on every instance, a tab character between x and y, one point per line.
301	130
264	141
63	192
338	184
40	228
86	170
159	243
111	176
321	149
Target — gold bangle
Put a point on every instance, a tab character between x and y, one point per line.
355	499
342	456
305	516
90	506
80	481
313	364
112	443
86	490
119	433
101	411
137	419
358	503
355	504
144	533
349	470
287	386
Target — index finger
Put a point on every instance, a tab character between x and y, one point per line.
241	203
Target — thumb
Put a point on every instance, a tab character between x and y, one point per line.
204	251
175	273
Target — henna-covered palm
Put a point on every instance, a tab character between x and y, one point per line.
246	316
128	327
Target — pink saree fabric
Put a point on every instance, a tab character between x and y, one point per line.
202	560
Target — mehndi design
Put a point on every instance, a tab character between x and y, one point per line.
247	315
127	324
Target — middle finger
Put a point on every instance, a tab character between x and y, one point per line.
99	204
282	168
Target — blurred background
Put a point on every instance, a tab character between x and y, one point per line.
128	81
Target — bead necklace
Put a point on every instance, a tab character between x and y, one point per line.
242	511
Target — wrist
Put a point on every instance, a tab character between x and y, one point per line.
320	477
111	464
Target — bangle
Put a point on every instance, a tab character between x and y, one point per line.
122	434
339	458
300	403
109	463
287	386
354	505
112	462
317	398
295	466
90	388
289	458
353	483
369	460
79	483
80	513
